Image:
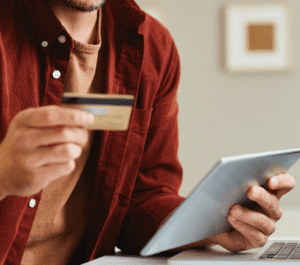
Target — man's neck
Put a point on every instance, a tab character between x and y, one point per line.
82	26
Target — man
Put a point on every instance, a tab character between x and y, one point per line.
69	195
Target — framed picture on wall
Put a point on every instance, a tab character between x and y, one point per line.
258	37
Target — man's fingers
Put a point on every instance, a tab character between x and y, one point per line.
254	219
251	228
281	184
267	201
51	116
254	238
55	154
57	169
34	138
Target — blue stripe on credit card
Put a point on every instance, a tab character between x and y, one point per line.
99	111
97	101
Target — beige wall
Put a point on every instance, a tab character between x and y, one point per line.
222	114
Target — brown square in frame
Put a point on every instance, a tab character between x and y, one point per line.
261	37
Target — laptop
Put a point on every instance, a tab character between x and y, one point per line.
277	251
204	212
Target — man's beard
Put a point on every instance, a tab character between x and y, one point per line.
81	5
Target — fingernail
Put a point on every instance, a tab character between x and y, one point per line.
238	213
274	183
233	219
255	193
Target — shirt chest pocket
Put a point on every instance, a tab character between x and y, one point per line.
140	121
134	150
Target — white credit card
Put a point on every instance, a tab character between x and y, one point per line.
112	111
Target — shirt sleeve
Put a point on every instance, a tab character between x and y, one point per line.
156	190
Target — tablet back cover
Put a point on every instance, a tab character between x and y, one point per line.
204	213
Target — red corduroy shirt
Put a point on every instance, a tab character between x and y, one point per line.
134	175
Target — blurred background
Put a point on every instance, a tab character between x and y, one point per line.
223	113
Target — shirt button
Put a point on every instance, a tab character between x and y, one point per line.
32	203
56	74
62	39
45	44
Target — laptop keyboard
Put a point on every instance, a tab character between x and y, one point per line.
282	250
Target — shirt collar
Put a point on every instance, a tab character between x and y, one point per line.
46	26
126	14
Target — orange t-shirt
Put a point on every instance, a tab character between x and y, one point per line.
61	217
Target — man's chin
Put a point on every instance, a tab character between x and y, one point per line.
81	5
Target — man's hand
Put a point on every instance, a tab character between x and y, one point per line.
41	145
253	228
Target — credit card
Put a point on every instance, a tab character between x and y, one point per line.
112	111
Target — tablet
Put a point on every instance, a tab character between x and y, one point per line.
203	213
